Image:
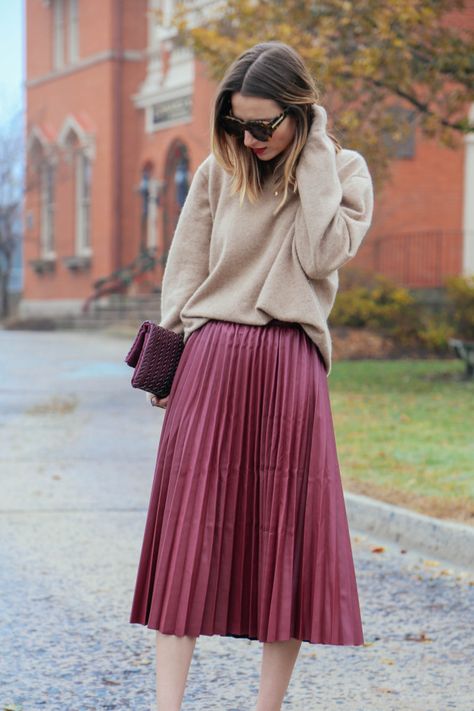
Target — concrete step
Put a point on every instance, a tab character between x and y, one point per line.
151	313
119	301
78	322
101	314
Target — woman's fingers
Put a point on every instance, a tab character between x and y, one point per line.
159	402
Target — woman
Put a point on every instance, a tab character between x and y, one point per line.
246	534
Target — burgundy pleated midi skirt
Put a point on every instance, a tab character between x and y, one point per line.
246	533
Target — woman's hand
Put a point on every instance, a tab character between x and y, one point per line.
320	118
157	402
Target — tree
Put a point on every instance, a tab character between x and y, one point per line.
11	202
370	60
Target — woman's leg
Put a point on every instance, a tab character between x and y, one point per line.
173	659
278	660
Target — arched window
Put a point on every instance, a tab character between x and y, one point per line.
78	149
64	31
175	190
58	33
83	201
47	208
42	178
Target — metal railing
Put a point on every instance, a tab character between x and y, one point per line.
418	259
118	281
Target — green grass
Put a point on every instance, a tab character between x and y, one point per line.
406	426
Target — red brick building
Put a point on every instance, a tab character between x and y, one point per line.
117	121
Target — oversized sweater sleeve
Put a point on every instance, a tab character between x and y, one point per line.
187	265
334	213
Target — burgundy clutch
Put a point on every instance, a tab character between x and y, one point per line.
155	355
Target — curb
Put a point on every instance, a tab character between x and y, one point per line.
450	542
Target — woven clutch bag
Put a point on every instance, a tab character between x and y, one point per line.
155	355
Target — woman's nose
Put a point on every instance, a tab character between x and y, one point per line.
249	140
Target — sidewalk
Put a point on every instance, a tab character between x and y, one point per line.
78	452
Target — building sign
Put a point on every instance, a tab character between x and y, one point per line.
171	111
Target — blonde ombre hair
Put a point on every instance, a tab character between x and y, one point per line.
268	70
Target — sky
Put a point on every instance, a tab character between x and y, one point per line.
12	65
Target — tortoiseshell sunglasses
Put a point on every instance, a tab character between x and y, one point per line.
261	130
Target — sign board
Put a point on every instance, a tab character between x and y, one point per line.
171	110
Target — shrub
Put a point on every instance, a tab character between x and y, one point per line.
460	294
435	334
375	302
381	306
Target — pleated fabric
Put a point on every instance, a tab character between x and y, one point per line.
246	533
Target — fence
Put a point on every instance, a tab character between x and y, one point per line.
421	259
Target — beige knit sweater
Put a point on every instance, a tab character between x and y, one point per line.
243	264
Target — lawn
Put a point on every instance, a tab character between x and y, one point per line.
405	433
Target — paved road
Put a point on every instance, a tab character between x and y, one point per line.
77	453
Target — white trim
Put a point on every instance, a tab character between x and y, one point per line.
36	135
58	34
105	56
168	12
181	73
201	11
73	31
178	80
134	55
158	89
468	211
86	139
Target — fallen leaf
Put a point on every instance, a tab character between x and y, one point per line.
431	563
383	690
378	549
140	661
421	637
